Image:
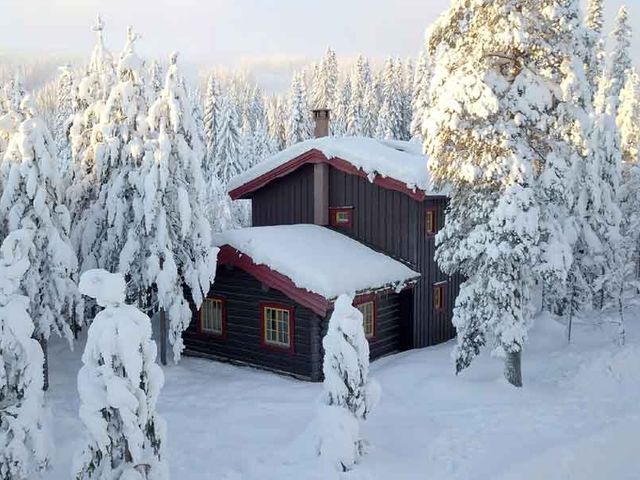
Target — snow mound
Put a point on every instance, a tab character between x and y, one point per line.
318	259
394	159
107	288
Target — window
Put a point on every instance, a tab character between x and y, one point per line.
212	316
440	296
341	217
431	221
368	310
277	326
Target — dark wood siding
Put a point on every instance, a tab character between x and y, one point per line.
432	326
243	295
285	201
394	223
384	219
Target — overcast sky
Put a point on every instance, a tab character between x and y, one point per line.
234	32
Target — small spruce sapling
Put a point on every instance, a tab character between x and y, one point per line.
119	384
349	395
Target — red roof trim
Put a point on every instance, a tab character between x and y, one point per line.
316	156
314	302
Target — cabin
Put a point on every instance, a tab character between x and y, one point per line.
330	215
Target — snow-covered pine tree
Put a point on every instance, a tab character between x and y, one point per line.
276	121
227	155
390	119
299	126
360	82
628	118
119	384
405	73
31	200
24	438
156	80
65	106
497	133
621	63
211	113
341	112
177	232
420	95
349	394
325	82
594	43
87	142
118	143
370	112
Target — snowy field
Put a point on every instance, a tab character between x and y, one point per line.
578	416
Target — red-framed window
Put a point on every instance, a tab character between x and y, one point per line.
440	296
367	306
341	217
431	221
213	317
277	327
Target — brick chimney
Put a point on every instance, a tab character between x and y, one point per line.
321	117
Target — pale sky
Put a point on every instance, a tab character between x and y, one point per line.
235	32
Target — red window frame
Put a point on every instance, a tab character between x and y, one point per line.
333	217
431	216
223	302
362	299
292	328
440	296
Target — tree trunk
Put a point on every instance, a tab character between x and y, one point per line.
512	370
163	337
45	366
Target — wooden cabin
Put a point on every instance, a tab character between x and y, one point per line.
330	215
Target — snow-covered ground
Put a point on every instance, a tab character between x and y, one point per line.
578	416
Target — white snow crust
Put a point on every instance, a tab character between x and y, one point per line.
318	259
394	159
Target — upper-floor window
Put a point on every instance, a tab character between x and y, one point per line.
368	310
277	326
440	296
431	221
212	316
341	217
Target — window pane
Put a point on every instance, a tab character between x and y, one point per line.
277	326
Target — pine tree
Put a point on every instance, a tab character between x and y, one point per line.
341	112
119	384
360	82
156	80
420	95
65	107
349	395
227	155
627	120
299	123
106	226
24	439
325	82
179	244
390	120
31	200
620	58
595	59
499	132
370	112
87	141
211	113
276	119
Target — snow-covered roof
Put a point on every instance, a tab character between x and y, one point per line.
318	259
397	160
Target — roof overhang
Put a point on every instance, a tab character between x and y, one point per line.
315	302
314	156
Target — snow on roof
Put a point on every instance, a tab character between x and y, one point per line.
318	259
395	159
